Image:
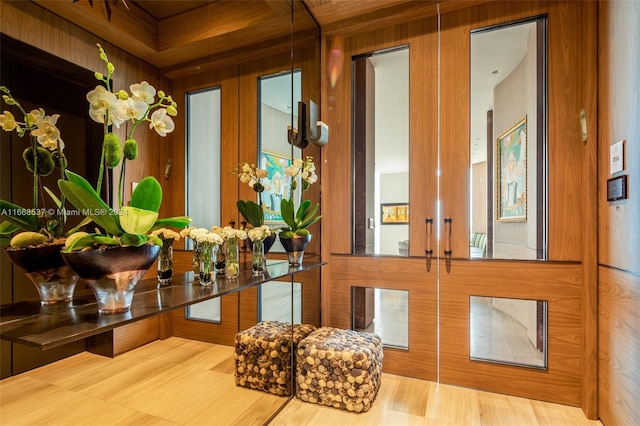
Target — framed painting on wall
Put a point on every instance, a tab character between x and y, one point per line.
511	173
394	213
277	185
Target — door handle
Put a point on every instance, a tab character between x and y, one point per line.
429	250
429	230
447	233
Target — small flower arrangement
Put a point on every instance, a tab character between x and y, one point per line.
131	224
233	236
42	223
166	236
251	211
298	220
259	233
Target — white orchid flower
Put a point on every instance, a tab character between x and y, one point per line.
143	92
129	109
8	122
47	133
161	122
101	103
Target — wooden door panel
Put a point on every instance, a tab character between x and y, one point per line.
559	284
398	274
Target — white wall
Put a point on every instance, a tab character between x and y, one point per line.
393	189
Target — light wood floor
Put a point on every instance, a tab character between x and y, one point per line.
185	382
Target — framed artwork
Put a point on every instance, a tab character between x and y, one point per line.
394	213
511	173
277	185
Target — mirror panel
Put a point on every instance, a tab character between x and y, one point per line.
508	331
203	149
275	301
276	114
508	142
384	312
381	152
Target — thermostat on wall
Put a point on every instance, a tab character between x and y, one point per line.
617	188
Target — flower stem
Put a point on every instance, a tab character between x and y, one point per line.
121	184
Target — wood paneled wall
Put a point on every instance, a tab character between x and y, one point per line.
618	224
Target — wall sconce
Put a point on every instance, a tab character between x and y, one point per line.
317	133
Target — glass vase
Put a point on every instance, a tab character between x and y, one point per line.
258	258
195	262
165	263
232	260
207	270
220	259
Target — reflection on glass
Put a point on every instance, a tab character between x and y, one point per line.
508	142
381	152
274	151
383	312
509	331
203	149
208	311
275	301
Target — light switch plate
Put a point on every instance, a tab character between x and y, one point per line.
616	157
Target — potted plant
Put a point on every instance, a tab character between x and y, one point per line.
252	212
38	232
295	237
114	259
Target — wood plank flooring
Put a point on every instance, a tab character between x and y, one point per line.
185	382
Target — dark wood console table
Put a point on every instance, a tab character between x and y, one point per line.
45	327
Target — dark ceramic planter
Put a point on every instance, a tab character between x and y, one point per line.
113	272
295	248
44	266
267	243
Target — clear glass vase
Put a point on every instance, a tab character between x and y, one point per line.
165	263
220	259
232	259
258	260
195	262
207	268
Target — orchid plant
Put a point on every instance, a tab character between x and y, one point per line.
298	220
251	211
40	223
130	224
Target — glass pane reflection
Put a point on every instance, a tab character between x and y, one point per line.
383	312
508	331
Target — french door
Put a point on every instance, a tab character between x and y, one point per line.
461	269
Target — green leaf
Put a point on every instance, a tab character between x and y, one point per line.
83	197
12	213
172	222
286	209
147	195
251	212
85	221
7	228
309	218
89	240
136	220
53	197
133	240
302	211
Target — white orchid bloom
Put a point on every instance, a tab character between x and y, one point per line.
47	133
129	109
161	122
8	122
143	92
101	103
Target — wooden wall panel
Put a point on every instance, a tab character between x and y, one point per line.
619	347
559	284
618	224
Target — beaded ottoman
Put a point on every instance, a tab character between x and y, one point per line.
263	355
339	368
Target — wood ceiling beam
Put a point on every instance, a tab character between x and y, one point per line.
129	29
